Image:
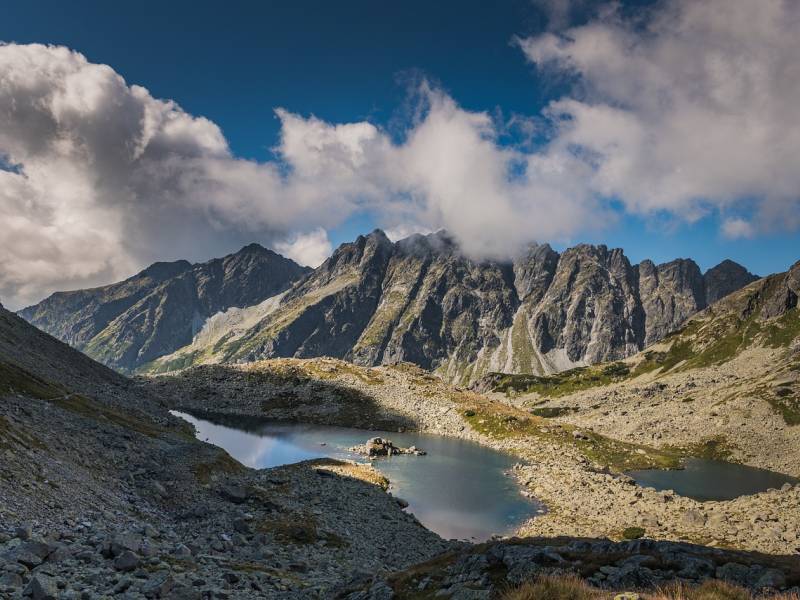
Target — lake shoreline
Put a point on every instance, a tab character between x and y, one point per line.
582	498
454	478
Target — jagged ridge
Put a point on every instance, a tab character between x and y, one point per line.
422	301
159	310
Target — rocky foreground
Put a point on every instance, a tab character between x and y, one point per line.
104	494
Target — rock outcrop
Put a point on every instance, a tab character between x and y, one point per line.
159	310
419	300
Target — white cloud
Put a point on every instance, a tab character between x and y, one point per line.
737	228
309	249
689	111
108	179
694	111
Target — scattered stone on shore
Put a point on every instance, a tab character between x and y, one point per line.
377	446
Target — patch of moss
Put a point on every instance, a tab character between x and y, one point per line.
564	383
11	436
715	448
614	454
633	533
550	412
86	407
784	330
788	406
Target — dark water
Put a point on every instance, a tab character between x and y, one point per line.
704	479
459	490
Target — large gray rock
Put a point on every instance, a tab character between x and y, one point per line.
42	587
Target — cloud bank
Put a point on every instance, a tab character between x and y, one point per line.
684	110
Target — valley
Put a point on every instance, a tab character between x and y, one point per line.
141	506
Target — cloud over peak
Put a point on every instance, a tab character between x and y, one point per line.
681	111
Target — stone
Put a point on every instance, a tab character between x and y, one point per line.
693	518
127	561
234	493
42	587
159	585
772	579
23	532
125	541
9	579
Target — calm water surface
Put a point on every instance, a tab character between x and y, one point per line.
704	479
459	490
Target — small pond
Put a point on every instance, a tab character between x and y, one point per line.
459	489
704	479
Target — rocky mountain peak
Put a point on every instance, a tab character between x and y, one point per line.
725	278
157	311
161	271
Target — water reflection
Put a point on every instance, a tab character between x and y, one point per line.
459	490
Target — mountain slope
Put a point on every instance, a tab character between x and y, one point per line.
729	379
159	310
420	300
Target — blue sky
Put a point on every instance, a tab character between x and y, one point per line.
351	62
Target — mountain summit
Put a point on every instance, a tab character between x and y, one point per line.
159	310
420	300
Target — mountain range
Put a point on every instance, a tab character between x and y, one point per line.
419	300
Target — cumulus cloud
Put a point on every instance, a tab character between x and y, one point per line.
688	111
680	111
737	228
309	249
98	179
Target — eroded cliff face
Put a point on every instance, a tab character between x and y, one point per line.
420	300
159	310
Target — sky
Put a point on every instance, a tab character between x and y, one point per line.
160	131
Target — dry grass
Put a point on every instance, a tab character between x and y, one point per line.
571	587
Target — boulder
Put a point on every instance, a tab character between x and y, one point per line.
127	561
234	493
42	587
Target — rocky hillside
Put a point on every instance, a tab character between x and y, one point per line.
159	310
730	376
420	300
103	493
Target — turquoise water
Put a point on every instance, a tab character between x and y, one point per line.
459	489
704	479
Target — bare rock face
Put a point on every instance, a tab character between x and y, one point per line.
157	311
419	300
724	279
670	294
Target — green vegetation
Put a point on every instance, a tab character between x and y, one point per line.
564	383
633	533
501	423
223	463
715	448
91	409
570	587
14	380
787	404
781	332
550	412
14	436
